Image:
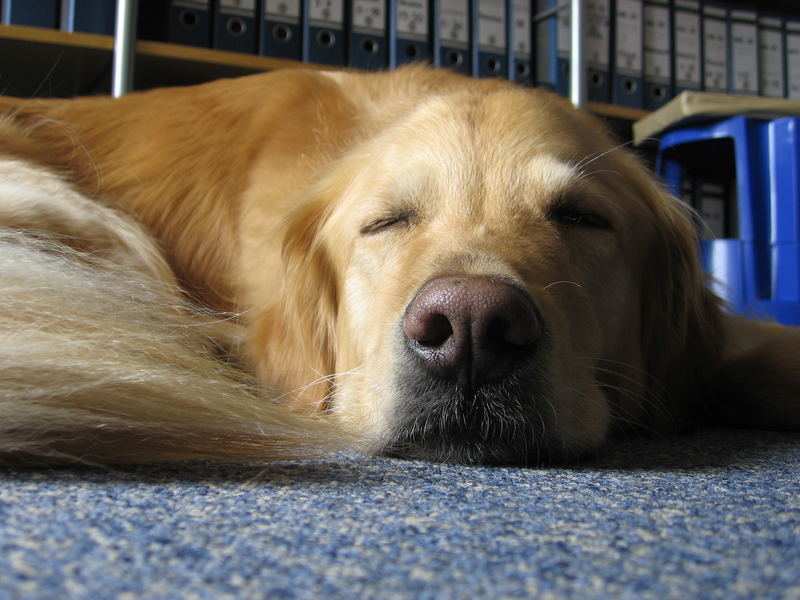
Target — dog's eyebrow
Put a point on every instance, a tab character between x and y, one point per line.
551	173
548	180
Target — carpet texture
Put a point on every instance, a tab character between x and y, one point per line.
712	515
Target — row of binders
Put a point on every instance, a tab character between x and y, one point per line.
640	53
471	36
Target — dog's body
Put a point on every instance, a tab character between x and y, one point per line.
448	268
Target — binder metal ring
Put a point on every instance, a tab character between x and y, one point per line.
188	19
236	27
281	34
370	46
326	39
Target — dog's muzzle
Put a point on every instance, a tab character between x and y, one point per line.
469	374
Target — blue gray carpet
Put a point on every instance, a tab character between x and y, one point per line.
711	515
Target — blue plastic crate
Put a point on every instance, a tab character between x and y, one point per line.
757	272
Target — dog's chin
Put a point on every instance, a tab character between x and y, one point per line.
503	423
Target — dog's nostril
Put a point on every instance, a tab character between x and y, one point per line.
522	332
430	331
499	331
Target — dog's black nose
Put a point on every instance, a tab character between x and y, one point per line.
471	330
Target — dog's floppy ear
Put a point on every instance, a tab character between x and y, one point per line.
759	382
294	336
709	365
681	319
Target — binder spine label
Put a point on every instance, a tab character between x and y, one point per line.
657	47
770	57
367	44
520	46
283	11
598	50
323	32
241	8
793	59
412	19
687	45
369	16
454	23
744	52
597	33
628	54
522	29
454	35
492	26
715	50
326	13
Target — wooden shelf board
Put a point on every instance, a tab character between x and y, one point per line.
56	37
618	112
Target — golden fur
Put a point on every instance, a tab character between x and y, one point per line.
163	248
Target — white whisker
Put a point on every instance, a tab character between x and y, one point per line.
549	285
598	155
330	378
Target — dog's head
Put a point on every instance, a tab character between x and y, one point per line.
491	280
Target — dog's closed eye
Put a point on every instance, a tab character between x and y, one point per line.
383	223
570	214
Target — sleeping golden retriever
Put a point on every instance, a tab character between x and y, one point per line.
410	263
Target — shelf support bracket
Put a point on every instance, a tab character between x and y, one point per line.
577	68
124	48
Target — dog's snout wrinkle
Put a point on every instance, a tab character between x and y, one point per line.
471	330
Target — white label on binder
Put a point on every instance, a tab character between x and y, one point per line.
743	15
326	12
454	22
522	28
793	58
283	10
656	42
714	11
492	25
369	15
628	53
247	7
770	59
412	18
687	48
744	56
597	32
715	45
